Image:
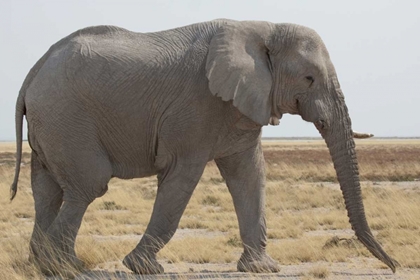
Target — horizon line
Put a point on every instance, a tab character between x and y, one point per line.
288	138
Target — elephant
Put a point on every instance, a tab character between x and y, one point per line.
106	102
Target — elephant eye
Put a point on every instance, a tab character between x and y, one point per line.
310	79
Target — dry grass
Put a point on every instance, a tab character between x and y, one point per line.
379	161
304	211
319	272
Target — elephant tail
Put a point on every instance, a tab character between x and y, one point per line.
20	112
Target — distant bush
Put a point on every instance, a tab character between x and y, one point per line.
111	205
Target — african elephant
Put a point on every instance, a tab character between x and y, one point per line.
105	102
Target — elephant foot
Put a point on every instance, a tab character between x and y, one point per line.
64	267
261	263
52	261
142	263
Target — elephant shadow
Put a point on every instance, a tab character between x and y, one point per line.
206	274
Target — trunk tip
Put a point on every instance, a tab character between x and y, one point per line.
373	246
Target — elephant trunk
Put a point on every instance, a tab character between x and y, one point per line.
339	139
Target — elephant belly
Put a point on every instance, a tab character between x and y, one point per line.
131	154
127	171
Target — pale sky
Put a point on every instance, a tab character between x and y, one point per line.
374	45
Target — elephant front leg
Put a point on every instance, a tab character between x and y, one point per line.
175	187
245	177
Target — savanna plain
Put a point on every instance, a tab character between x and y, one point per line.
308	229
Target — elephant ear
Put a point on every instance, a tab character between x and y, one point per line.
238	68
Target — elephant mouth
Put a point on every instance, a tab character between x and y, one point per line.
297	107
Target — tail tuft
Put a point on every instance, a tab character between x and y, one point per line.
13	191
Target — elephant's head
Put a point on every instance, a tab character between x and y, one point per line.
271	69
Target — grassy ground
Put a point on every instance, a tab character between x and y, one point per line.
305	211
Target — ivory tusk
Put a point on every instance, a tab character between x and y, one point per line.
361	135
274	121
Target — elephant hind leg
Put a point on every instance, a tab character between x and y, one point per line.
176	185
47	193
48	197
80	185
59	254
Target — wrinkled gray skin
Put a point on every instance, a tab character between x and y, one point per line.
106	102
